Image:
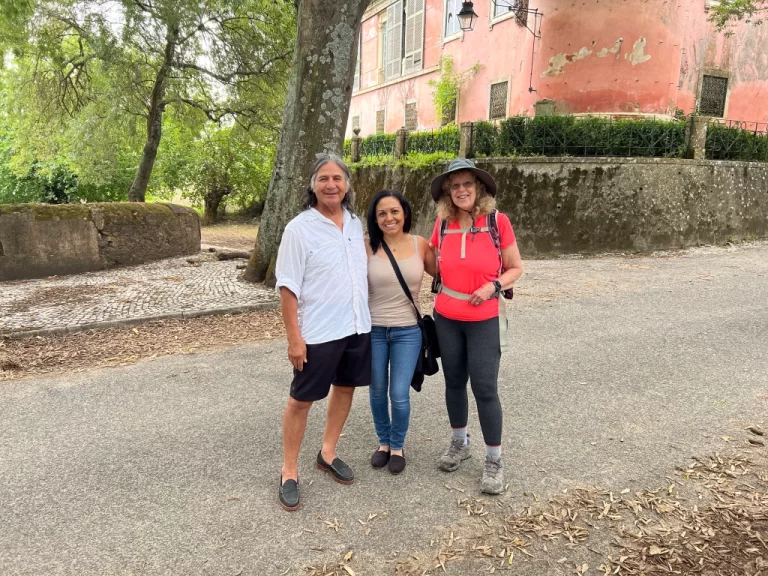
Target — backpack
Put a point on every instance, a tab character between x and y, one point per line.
493	230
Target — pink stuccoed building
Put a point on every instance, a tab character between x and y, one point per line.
615	57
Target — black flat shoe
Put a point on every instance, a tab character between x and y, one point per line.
380	458
337	469
289	494
397	463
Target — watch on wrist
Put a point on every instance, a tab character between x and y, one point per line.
497	285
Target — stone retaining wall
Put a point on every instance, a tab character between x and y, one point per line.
573	205
38	240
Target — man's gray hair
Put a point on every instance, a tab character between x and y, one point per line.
310	199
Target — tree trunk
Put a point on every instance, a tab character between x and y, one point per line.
138	190
211	203
315	116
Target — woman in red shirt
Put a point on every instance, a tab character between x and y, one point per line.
474	271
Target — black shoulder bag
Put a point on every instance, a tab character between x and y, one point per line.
430	350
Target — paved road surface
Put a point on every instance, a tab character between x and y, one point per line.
171	466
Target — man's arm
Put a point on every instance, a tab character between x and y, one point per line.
297	349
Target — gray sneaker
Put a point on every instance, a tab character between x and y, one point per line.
454	456
493	476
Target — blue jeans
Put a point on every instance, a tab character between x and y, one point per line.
393	350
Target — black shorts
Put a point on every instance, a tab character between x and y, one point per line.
345	362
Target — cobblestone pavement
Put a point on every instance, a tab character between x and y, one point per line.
168	287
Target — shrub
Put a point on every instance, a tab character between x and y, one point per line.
443	140
735	143
378	145
485	135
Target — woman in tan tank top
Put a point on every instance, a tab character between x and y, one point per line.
395	335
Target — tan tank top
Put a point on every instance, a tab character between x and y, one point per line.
389	305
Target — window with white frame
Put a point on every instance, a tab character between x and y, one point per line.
505	8
414	36
498	106
380	121
402	38
502	7
411	116
393	41
358	65
383	46
452	8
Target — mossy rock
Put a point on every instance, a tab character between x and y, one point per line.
46	212
127	211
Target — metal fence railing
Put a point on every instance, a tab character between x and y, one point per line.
580	136
432	141
737	140
586	136
379	145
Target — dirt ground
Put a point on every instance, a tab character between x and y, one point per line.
238	235
92	349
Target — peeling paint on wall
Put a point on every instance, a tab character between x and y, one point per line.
638	55
615	50
559	61
556	64
581	54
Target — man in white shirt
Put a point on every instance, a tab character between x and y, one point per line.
322	280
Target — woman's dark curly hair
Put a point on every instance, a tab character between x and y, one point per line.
310	199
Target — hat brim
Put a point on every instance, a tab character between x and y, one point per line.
437	183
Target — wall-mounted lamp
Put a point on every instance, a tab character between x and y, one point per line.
467	17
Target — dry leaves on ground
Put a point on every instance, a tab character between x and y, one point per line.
122	346
719	528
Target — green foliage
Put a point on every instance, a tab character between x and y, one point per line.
729	12
84	77
443	140
486	135
378	145
548	136
733	143
450	83
232	161
423	160
571	136
413	161
13	18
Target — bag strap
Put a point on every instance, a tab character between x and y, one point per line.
400	278
493	229
443	228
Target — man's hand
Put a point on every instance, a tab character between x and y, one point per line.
482	294
297	353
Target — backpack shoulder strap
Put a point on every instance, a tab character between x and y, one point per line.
443	228
493	228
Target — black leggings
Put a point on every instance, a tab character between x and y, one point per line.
471	350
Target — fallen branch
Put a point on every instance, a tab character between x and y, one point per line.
233	255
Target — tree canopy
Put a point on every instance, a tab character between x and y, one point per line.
728	12
113	90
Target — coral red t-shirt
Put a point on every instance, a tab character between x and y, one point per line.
479	266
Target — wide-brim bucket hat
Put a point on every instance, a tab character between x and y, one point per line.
459	165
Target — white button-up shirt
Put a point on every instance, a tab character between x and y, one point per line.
326	268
